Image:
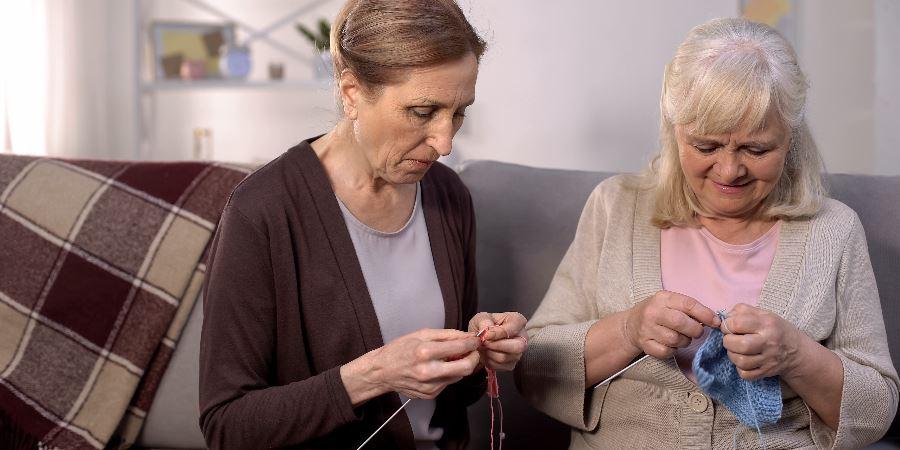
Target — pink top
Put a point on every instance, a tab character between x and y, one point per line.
719	275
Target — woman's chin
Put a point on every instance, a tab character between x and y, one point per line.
407	177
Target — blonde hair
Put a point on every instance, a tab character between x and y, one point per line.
380	40
729	74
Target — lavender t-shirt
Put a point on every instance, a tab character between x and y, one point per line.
399	271
718	274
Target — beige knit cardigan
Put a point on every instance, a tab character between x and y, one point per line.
821	280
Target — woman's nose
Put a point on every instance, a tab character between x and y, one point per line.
441	137
730	167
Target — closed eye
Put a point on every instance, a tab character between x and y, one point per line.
422	112
757	151
706	148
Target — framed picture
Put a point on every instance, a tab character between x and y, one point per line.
189	50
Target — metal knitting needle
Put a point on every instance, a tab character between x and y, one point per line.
385	423
480	333
621	371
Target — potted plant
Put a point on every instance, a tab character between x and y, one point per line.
320	38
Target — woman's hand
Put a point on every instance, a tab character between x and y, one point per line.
664	322
503	337
760	343
418	365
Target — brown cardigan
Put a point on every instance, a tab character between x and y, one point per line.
286	305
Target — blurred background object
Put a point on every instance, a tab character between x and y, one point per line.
570	84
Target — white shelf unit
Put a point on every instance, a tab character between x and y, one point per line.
147	87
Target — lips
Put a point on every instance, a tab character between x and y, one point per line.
731	189
421	163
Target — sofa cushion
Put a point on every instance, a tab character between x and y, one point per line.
174	417
876	200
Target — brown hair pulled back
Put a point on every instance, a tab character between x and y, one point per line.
380	40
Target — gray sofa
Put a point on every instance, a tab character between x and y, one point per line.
526	219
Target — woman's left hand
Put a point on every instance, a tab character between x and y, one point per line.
760	343
503	337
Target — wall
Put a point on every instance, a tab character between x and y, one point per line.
837	50
887	87
572	85
576	85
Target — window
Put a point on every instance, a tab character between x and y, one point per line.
23	76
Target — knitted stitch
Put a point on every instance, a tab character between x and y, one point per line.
755	403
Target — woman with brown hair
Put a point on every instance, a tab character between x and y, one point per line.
342	275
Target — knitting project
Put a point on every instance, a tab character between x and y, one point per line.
755	403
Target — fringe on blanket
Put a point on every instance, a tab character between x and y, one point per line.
14	437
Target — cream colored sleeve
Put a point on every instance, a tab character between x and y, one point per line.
551	373
869	396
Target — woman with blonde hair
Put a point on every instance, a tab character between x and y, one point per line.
725	262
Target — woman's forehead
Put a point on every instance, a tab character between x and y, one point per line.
769	131
750	125
448	83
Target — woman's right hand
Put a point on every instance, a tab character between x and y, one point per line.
418	365
665	322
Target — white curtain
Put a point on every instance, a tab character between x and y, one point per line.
23	76
89	84
66	77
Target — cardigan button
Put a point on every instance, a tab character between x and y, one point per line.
697	402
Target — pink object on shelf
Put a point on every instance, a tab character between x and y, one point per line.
193	69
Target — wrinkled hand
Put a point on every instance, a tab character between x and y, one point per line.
421	364
761	343
504	338
665	322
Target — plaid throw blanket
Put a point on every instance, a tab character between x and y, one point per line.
100	264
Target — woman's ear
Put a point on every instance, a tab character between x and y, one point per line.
351	92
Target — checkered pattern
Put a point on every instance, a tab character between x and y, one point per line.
100	264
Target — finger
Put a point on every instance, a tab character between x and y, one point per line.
459	368
513	322
744	344
743	322
480	321
667	336
681	323
437	372
511	346
443	350
657	350
502	367
693	308
443	334
746	362
498	357
496	333
750	375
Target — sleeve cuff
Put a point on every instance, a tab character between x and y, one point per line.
551	376
339	397
866	405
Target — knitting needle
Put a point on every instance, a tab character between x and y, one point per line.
480	333
621	371
385	423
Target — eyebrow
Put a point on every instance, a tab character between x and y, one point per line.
431	102
751	143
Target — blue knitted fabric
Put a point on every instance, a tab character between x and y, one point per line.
755	403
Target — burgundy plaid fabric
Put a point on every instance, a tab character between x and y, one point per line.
100	264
